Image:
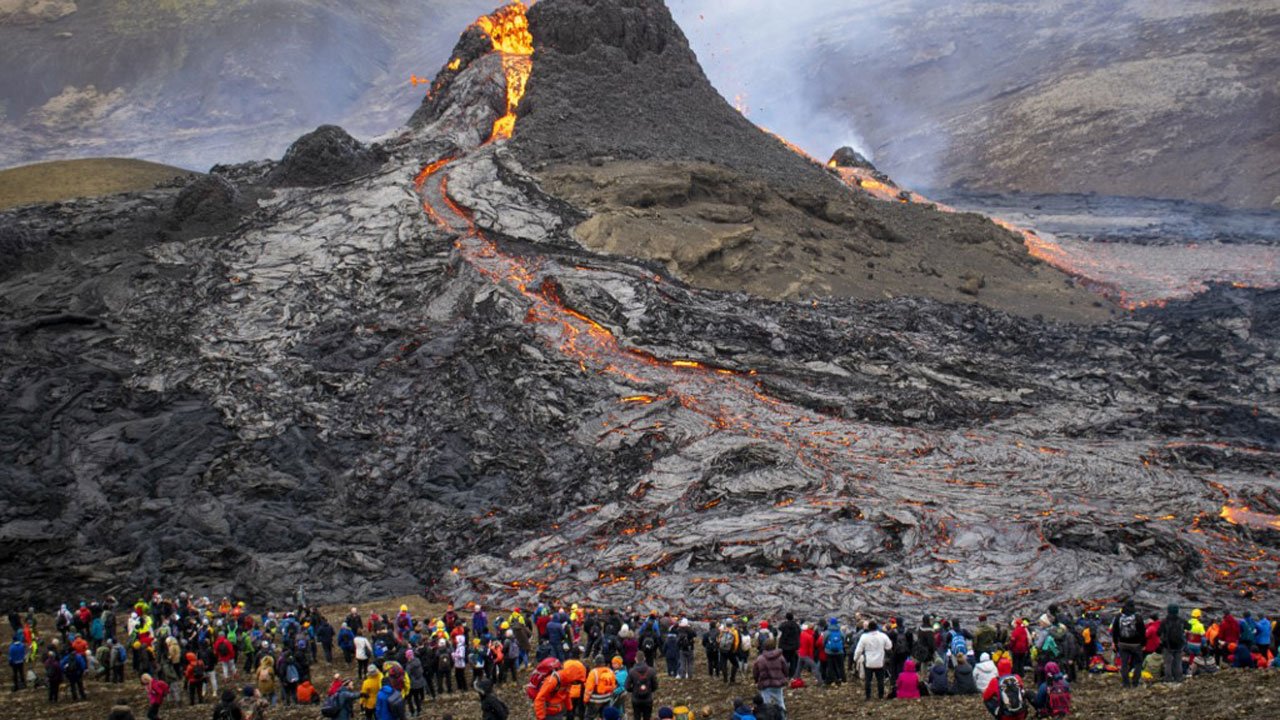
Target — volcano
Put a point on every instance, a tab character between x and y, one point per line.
582	331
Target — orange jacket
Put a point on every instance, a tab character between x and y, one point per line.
575	668
553	696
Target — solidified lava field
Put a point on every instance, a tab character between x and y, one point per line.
410	374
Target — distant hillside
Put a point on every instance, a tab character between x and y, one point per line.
67	179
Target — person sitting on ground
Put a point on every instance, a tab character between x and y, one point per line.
908	685
984	672
741	711
765	710
965	682
1053	699
938	684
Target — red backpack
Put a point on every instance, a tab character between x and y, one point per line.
1059	699
541	673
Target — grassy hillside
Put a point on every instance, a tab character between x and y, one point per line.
67	179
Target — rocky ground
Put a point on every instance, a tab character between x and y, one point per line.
1229	695
364	383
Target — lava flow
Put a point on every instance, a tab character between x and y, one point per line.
508	29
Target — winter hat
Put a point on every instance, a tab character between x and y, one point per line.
1195	613
1173	610
611	713
1051	669
986	657
666	712
616	662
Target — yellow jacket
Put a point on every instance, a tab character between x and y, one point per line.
369	689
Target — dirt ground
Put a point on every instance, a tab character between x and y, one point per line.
1227	695
67	179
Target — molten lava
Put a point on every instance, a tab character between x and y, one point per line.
508	30
1245	517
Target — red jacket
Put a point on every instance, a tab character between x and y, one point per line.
807	640
1020	641
223	648
1153	637
1229	630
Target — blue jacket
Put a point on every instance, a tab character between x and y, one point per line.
346	638
1264	632
381	710
17	653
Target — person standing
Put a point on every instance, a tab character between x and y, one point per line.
642	684
1129	631
873	651
17	661
789	643
1173	636
157	689
770	674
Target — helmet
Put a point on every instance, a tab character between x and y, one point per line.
1195	613
404	608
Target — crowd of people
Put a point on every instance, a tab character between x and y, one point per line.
592	664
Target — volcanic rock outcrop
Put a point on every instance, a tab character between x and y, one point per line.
420	378
620	121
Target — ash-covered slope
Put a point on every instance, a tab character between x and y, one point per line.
620	120
406	379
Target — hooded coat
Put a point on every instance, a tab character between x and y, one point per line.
984	672
966	683
908	682
938	684
770	670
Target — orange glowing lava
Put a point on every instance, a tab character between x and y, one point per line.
1245	517
508	30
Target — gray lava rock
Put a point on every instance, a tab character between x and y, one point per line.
209	199
325	156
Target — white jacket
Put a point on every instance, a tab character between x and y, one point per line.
984	672
872	648
364	648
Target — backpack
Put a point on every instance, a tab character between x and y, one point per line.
1013	700
648	644
727	641
395	704
1059	699
198	672
958	645
121	657
643	693
682	712
606	683
1128	629
222	712
291	673
539	675
331	708
444	663
834	642
1050	647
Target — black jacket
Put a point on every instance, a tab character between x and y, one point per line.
492	707
965	684
789	636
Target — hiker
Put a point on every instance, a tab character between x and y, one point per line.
416	675
1053	699
227	707
770	674
17	661
1020	646
872	651
984	672
908	683
599	689
389	704
1128	632
965	682
53	674
157	689
728	642
254	707
642	685
369	690
833	644
491	706
363	650
1005	697
686	638
553	698
938	682
1173	638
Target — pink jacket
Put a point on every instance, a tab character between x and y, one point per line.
908	682
156	691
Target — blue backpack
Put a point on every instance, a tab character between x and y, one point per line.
834	644
958	645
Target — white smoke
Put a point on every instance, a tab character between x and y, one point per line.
759	55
